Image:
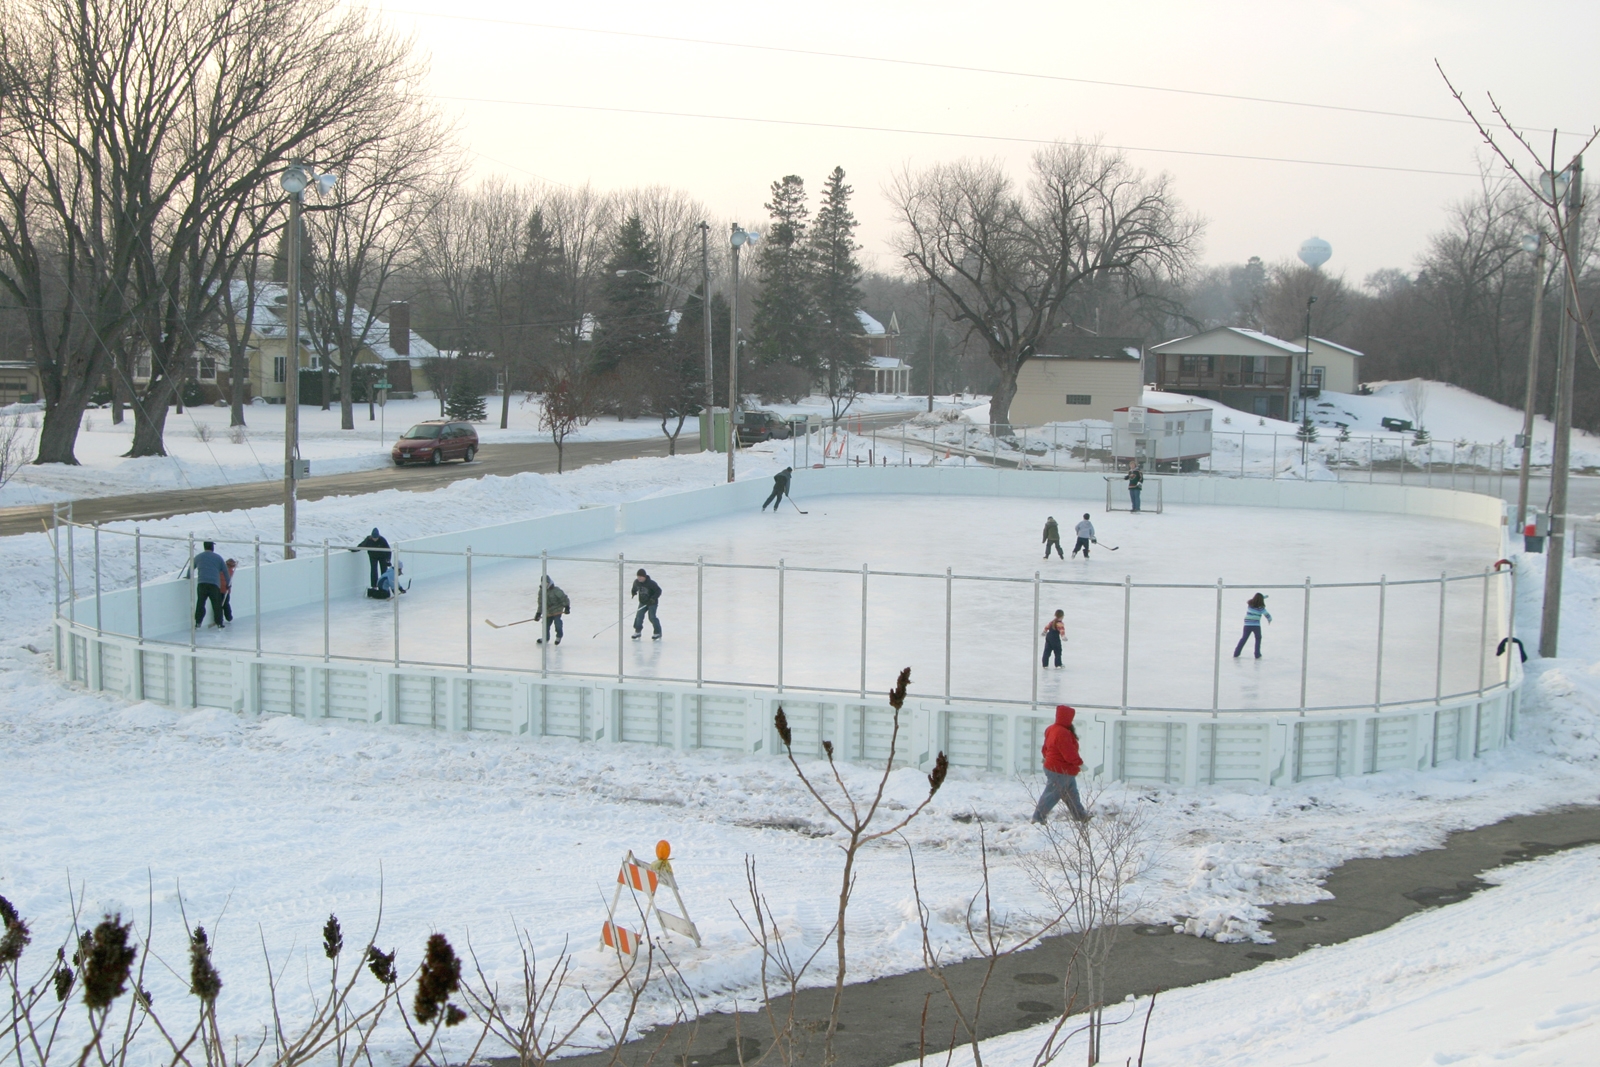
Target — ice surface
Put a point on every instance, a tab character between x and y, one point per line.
1173	633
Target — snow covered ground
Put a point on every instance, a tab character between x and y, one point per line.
993	622
260	828
1508	976
202	450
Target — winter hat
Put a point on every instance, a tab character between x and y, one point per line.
642	574
374	531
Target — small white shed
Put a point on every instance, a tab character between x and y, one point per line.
1174	435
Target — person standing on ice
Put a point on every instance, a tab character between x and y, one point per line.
1061	766
227	589
553	604
1135	480
1052	536
780	488
209	569
649	594
1085	531
1055	632
377	547
1254	611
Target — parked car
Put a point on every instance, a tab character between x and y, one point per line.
435	441
758	426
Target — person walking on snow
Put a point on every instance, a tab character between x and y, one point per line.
1255	610
1135	480
553	604
209	569
377	556
780	488
1052	536
1055	632
1061	766
649	594
1085	531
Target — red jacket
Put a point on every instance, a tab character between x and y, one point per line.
1061	744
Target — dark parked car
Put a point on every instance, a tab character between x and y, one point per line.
434	442
758	426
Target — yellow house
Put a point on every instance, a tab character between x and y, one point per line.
1090	380
1333	366
19	382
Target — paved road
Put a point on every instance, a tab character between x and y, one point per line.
494	459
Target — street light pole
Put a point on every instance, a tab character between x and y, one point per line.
738	239
932	345
1566	364
1533	375
705	307
294	181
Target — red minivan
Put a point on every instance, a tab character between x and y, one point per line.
435	441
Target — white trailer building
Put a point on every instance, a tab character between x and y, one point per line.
1178	435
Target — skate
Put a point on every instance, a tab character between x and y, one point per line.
636	635
557	641
655	637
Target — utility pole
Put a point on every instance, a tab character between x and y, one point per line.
932	345
1566	365
294	182
739	237
1533	381
705	308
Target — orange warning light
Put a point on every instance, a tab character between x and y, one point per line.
663	850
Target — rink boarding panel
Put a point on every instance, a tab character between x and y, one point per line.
104	642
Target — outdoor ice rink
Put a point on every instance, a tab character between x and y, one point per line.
992	625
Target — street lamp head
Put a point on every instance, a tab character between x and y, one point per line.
294	179
623	273
742	236
1530	242
1554	184
325	183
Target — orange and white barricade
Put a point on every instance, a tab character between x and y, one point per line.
647	879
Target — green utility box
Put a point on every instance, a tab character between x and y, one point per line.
714	429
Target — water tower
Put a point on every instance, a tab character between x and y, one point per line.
1315	252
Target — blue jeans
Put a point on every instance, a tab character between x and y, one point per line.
1058	787
639	616
1052	647
553	619
1245	637
1133	494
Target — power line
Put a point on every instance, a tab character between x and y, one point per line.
962	136
931	65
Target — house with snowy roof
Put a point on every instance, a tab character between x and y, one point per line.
884	371
1332	366
1084	376
1244	369
265	312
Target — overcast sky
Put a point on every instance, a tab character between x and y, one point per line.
494	60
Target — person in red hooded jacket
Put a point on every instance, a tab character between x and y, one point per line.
1061	766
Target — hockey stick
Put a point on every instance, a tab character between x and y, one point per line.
503	625
604	628
797	507
1108	548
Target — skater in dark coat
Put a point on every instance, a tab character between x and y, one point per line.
649	594
1061	766
377	556
780	488
1055	632
1255	610
1085	532
1135	480
1052	538
209	569
553	604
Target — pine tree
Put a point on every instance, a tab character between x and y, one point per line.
785	313
464	403
632	330
836	288
1307	431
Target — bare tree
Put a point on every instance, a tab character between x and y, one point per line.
1005	259
16	445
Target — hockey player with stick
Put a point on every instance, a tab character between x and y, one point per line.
780	488
1135	480
1085	532
1052	537
649	594
553	604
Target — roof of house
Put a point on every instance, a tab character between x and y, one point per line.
1333	344
869	325
1089	346
271	309
1252	335
888	363
1170	410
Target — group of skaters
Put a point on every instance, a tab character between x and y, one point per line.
554	603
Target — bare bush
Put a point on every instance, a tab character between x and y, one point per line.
202	432
237	434
16	445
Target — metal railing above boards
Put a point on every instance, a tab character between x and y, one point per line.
1479	467
781	628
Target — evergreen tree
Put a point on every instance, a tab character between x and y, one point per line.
785	311
464	402
1307	431
632	331
836	289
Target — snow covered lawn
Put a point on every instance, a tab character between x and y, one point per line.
263	827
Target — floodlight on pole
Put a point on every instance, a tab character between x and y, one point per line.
1531	242
1553	184
738	239
296	177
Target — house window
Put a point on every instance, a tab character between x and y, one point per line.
1318	374
1079	399
1198	366
141	369
208	369
278	365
